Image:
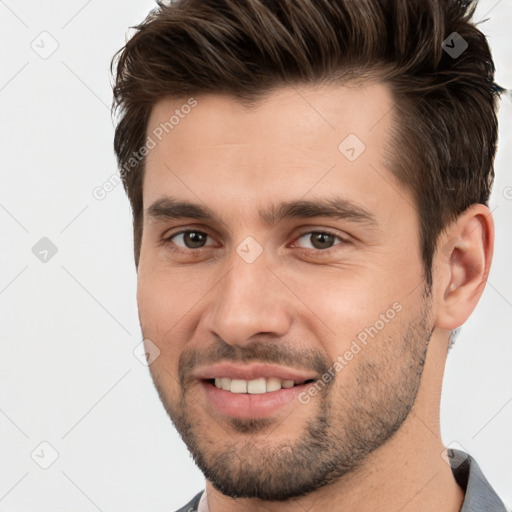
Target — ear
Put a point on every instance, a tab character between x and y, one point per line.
461	266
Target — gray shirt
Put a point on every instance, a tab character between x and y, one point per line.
479	495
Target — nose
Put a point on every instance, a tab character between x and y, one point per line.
249	300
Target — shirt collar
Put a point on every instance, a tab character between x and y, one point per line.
479	495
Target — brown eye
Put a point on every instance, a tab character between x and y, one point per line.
189	239
319	240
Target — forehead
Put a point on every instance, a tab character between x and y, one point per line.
294	141
295	113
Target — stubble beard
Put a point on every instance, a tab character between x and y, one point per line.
351	422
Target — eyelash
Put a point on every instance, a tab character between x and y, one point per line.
318	252
321	252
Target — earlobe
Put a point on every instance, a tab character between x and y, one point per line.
463	261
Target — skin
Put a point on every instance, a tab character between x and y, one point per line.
302	302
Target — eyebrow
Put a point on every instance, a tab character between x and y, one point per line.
338	208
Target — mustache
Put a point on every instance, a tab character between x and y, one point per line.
273	352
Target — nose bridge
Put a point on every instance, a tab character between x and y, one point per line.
249	299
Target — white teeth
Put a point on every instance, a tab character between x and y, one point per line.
257	386
273	384
238	386
253	387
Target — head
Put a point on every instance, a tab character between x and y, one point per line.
309	184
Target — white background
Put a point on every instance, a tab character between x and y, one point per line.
69	326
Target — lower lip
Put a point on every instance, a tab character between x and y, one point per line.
245	405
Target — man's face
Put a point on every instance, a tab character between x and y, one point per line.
260	282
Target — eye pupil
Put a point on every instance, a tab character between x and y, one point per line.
194	239
322	240
319	240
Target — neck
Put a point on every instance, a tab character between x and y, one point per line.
406	474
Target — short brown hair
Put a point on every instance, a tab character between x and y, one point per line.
445	127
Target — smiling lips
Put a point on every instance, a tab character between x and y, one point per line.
251	391
253	378
255	386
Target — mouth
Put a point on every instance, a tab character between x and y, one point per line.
253	390
245	399
257	386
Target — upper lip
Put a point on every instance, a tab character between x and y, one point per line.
252	371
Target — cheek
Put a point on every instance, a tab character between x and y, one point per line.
162	305
344	307
158	314
162	295
169	303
